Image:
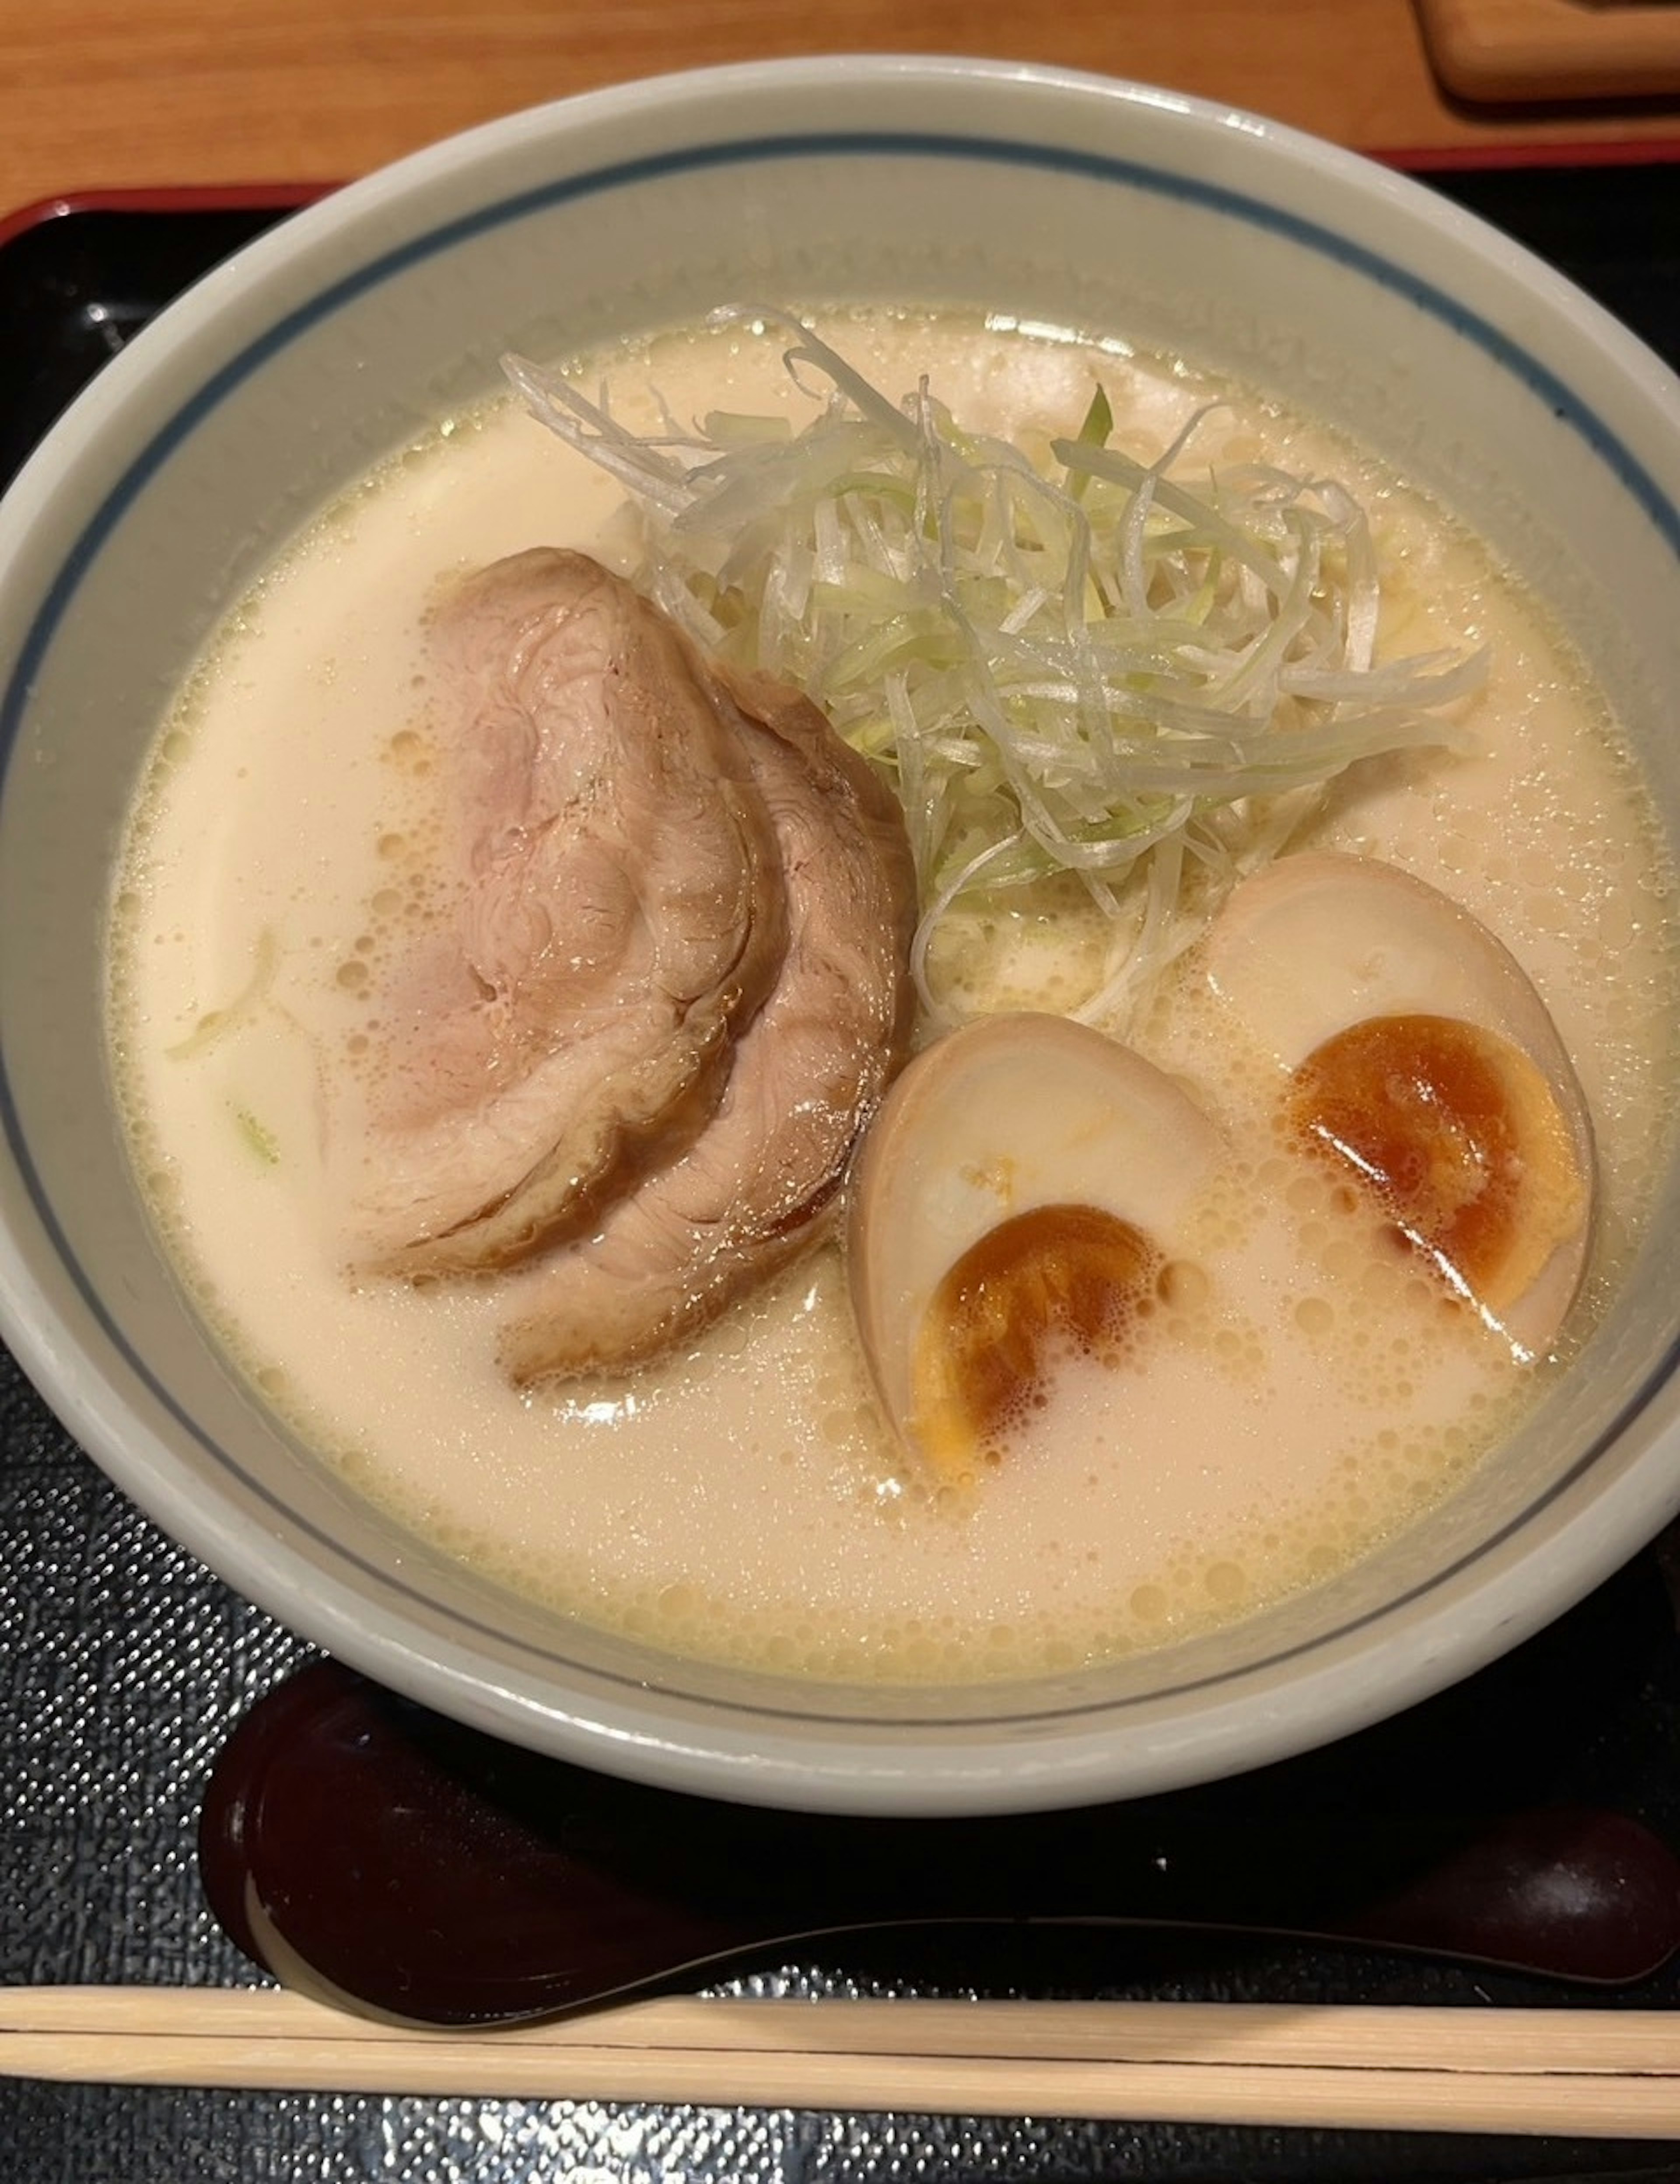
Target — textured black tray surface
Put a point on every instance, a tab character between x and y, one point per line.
123	1664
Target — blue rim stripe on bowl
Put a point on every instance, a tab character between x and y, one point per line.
1510	355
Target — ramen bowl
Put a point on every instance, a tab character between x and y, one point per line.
1055	200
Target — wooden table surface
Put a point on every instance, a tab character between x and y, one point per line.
112	93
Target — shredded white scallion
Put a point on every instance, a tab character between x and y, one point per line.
1107	669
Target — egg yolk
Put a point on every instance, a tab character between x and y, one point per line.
1459	1136
1052	1282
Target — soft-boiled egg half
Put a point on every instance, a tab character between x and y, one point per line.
1419	1062
1020	1200
1030	1192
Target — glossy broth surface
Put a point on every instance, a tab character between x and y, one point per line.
742	1501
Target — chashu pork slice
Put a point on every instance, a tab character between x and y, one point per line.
612	913
759	1184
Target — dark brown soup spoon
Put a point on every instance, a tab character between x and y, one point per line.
355	1844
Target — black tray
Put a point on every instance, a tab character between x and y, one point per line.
125	1664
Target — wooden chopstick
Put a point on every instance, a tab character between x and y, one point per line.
1608	2074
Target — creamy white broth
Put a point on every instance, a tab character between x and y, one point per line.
743	1501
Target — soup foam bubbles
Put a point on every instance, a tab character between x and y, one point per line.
743	1501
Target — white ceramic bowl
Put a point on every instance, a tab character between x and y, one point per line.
283	375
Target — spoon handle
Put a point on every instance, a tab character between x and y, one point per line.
356	1843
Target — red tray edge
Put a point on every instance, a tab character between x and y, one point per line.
208	197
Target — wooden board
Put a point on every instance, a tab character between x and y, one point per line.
103	94
1538	51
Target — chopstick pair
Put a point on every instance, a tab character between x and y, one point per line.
1606	2073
